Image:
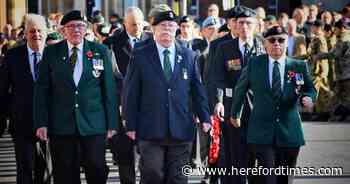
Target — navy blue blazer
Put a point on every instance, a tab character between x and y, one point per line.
156	108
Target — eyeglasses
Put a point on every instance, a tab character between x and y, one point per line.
274	39
249	23
73	26
171	25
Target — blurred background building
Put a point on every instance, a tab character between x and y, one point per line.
11	11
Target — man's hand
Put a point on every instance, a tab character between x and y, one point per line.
307	103
236	122
206	127
219	110
131	135
41	133
111	133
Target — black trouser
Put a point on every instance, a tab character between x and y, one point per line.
28	160
271	156
162	163
231	147
68	152
3	123
122	148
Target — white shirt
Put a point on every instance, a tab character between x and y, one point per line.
78	69
242	43
171	55
31	58
282	66
290	45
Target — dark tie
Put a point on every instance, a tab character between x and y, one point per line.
276	82
134	40
167	65
73	58
246	53
36	65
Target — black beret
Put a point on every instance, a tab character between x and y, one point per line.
274	30
317	23
223	28
72	15
233	12
162	16
245	12
185	19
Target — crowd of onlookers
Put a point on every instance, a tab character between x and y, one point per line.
305	23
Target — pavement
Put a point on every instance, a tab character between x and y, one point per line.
327	145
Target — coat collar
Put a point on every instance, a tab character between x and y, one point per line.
64	57
154	58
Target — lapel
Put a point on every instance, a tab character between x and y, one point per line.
236	45
63	57
126	45
26	66
289	67
86	64
267	74
179	55
155	61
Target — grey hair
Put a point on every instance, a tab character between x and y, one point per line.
35	20
135	11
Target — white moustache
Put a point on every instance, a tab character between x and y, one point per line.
168	32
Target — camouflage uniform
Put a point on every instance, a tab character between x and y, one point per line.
319	71
341	55
331	41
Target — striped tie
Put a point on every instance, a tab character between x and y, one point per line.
73	58
276	82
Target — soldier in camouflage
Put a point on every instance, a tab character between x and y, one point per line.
340	54
319	72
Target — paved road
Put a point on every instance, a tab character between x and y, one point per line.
328	145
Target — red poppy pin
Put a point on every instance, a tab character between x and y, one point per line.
89	54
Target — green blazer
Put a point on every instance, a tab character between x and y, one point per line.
66	109
270	122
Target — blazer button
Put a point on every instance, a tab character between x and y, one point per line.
76	105
167	105
277	120
169	89
278	107
76	92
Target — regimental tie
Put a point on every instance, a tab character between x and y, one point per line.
73	58
167	65
36	65
246	53
276	82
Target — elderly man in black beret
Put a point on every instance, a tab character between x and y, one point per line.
162	81
279	85
229	60
75	103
